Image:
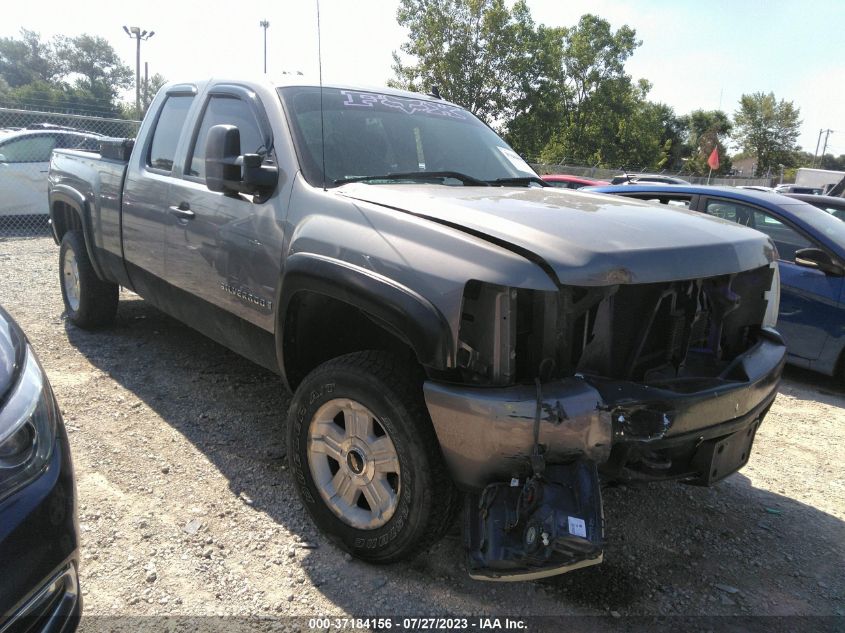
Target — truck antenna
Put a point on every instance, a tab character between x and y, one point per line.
320	70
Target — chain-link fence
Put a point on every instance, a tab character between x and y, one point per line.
27	138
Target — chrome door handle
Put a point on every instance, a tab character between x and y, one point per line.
183	211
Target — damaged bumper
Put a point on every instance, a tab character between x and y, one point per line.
486	434
519	522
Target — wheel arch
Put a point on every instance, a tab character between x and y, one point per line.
69	212
363	309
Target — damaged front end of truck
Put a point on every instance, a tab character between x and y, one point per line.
645	382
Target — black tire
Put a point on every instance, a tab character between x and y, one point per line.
97	299
426	500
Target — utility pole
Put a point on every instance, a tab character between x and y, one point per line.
818	142
824	149
265	25
137	34
146	84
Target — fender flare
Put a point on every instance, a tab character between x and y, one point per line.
403	311
76	201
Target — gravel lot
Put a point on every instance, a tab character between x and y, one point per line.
185	505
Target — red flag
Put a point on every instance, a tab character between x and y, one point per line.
713	161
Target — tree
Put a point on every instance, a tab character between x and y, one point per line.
706	130
591	111
594	78
470	49
95	65
83	73
538	109
828	161
150	88
768	128
672	136
28	59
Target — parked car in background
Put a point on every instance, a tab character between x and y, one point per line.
633	179
811	249
756	188
24	160
817	191
39	537
565	181
833	205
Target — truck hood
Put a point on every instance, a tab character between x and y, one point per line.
584	239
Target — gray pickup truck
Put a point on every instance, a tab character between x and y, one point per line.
454	332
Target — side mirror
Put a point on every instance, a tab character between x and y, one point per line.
222	149
229	172
819	259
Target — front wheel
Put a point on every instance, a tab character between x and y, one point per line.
365	458
89	301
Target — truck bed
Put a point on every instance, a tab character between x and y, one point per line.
98	178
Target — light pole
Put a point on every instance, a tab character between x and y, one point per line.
137	34
265	25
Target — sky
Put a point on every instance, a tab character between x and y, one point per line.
696	54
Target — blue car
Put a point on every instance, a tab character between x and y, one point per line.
39	534
811	248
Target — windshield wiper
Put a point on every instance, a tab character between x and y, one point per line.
519	180
423	176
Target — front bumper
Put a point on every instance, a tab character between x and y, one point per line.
39	550
487	434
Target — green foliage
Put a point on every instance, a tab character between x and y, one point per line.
94	66
471	49
558	94
829	161
562	95
27	60
82	73
706	129
603	117
149	89
769	129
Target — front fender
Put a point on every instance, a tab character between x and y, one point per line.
407	314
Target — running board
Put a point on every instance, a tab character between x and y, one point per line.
535	528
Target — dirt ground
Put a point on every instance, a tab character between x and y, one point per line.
185	505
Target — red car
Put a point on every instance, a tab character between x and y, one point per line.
572	182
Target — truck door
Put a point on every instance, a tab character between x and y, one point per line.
147	192
225	249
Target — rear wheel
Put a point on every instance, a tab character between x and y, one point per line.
365	458
89	301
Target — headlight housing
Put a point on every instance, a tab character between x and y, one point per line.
770	319
487	335
27	428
